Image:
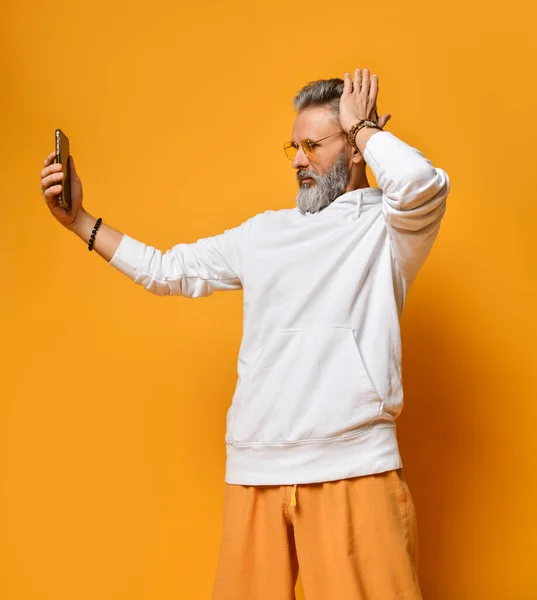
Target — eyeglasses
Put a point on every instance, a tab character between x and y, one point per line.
291	148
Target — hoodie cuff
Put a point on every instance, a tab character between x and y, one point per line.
129	256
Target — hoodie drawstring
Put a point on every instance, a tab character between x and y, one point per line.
293	497
358	205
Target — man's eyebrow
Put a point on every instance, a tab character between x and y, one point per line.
308	137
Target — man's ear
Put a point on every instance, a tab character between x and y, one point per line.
357	157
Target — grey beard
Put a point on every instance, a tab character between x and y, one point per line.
314	197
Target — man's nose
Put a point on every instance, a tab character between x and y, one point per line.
300	161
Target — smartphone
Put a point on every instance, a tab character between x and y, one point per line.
63	157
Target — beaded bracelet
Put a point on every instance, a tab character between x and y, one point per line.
356	128
95	227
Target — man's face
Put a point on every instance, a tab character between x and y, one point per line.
325	175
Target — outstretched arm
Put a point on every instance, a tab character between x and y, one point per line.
190	270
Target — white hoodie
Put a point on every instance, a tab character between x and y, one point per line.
319	369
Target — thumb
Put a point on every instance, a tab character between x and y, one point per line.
72	170
384	119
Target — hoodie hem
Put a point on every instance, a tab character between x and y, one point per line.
374	451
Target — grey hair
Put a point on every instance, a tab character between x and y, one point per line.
323	92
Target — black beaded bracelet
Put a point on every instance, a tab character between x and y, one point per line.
95	227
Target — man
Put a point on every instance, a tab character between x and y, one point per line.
314	478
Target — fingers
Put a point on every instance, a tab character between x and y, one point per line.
50	193
357	80
50	159
365	81
347	84
54	168
50	166
369	83
51	178
374	86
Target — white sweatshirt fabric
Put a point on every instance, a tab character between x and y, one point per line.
319	382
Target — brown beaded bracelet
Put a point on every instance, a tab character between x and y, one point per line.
356	128
95	227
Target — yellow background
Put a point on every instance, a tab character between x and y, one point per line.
114	400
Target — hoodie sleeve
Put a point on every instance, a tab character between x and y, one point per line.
413	200
192	270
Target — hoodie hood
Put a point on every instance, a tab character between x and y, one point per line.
359	198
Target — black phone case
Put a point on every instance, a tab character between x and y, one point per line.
63	157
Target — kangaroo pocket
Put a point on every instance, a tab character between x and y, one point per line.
304	384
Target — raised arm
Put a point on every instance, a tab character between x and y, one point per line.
414	191
413	201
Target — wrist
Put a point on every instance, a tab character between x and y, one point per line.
355	121
362	136
82	224
366	128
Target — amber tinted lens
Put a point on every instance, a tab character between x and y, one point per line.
306	146
290	151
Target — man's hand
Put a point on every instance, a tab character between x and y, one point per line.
359	100
51	178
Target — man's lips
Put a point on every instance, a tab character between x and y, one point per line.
306	179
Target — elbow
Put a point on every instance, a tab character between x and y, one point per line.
178	285
160	273
157	286
428	186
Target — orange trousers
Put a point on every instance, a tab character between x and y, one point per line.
353	539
